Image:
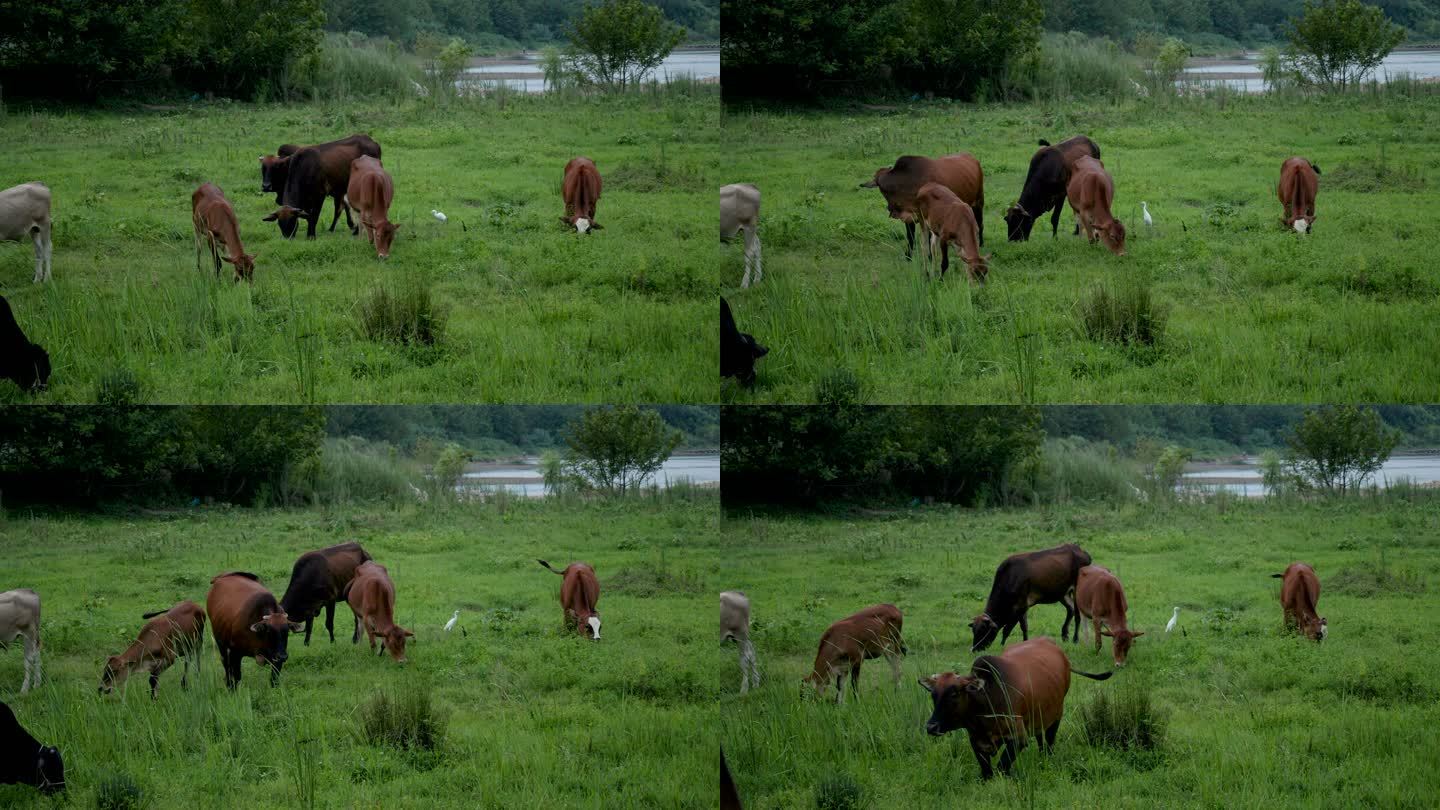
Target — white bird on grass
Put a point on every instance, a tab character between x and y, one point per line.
450	625
442	217
1149	223
1175	618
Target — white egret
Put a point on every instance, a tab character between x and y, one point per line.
438	215
1149	223
450	625
1175	618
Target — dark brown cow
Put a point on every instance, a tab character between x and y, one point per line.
318	580
1091	192
371	596
1023	580
951	222
901	183
579	593
247	622
1300	598
24	761
370	192
215	222
1100	598
22	362
1298	184
1045	185
1005	700
168	635
311	174
729	796
871	633
581	190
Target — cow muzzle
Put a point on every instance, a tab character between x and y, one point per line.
933	729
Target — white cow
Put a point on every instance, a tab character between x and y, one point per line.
735	623
740	208
25	209
20	616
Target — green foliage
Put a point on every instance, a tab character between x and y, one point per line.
496	25
618	43
839	792
1073	470
616	448
447	64
448	467
1168	468
1277	480
408	315
1335	448
559	73
798	47
1123	312
1337	43
1277	74
348	70
1169	64
953	47
67	47
408	720
242	47
118	791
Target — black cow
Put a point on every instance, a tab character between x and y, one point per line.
1030	578
1045	185
318	580
729	796
738	351
310	175
24	761
24	362
275	168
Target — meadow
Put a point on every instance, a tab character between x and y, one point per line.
1251	312
531	311
532	715
1242	714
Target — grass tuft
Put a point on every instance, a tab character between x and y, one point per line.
118	791
407	721
1123	312
1123	718
839	792
407	315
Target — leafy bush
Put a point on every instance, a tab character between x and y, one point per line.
1336	448
1336	43
618	447
408	721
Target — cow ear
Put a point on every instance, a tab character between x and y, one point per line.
977	685
595	226
409	634
1106	632
296	628
274	216
1137	635
564	221
927	682
255	628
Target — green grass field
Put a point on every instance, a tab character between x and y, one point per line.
537	716
536	313
1255	313
1255	717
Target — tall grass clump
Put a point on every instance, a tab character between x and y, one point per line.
345	70
1122	718
118	791
1074	469
407	721
406	315
839	792
1070	66
1123	312
355	470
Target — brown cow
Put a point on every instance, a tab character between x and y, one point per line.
1100	598
370	193
1045	185
1091	192
371	596
1005	700
871	633
1299	599
247	622
581	190
901	183
1028	579
169	634
318	580
1298	184
215	221
304	179
951	221
579	591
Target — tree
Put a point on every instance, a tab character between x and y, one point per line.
954	46
618	448
619	42
1336	43
1335	448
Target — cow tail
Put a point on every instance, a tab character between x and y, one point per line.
1277	576
1103	676
551	570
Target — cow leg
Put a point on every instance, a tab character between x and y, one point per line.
839	685
982	756
154	684
747	665
1005	633
185	673
311	220
274	674
979	208
1024	627
1050	736
231	659
39	243
909	239
32	663
1096	630
339	204
330	621
1013	747
355	639
944	257
752	238
309	625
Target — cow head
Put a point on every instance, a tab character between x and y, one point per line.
288	217
1018	223
395	642
582	224
1315	628
984	629
1124	640
32	373
1303	224
815	684
955	699
244	265
980	269
384	238
273	173
874	182
750	351
114	675
49	770
274	630
1113	235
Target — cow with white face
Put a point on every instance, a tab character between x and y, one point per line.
581	190
579	592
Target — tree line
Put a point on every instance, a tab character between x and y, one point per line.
494	22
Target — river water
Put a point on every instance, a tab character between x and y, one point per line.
523	73
1243	73
524	478
1243	478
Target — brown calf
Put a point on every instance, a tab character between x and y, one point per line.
371	596
1091	192
581	190
579	592
1299	599
247	622
168	635
215	222
1298	184
899	184
951	221
370	192
1100	598
871	633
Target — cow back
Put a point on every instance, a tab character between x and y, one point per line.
236	601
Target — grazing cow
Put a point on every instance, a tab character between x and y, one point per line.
740	210
274	169
1300	598
25	210
311	174
1026	579
1091	191
951	222
871	633
738	350
579	591
24	761
371	596
370	192
1298	184
318	580
735	624
169	634
1005	700
1100	598
20	616
22	362
729	796
247	622
900	183
581	190
215	222
1045	185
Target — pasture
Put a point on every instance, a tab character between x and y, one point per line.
532	312
1252	313
535	716
1253	716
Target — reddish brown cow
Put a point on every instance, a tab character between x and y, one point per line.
371	596
901	183
871	633
1298	184
1005	700
1100	598
1299	599
581	190
247	622
951	221
579	592
168	635
1091	191
370	193
215	222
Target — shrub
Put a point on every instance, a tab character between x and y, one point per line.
408	315
1125	313
408	721
1122	718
